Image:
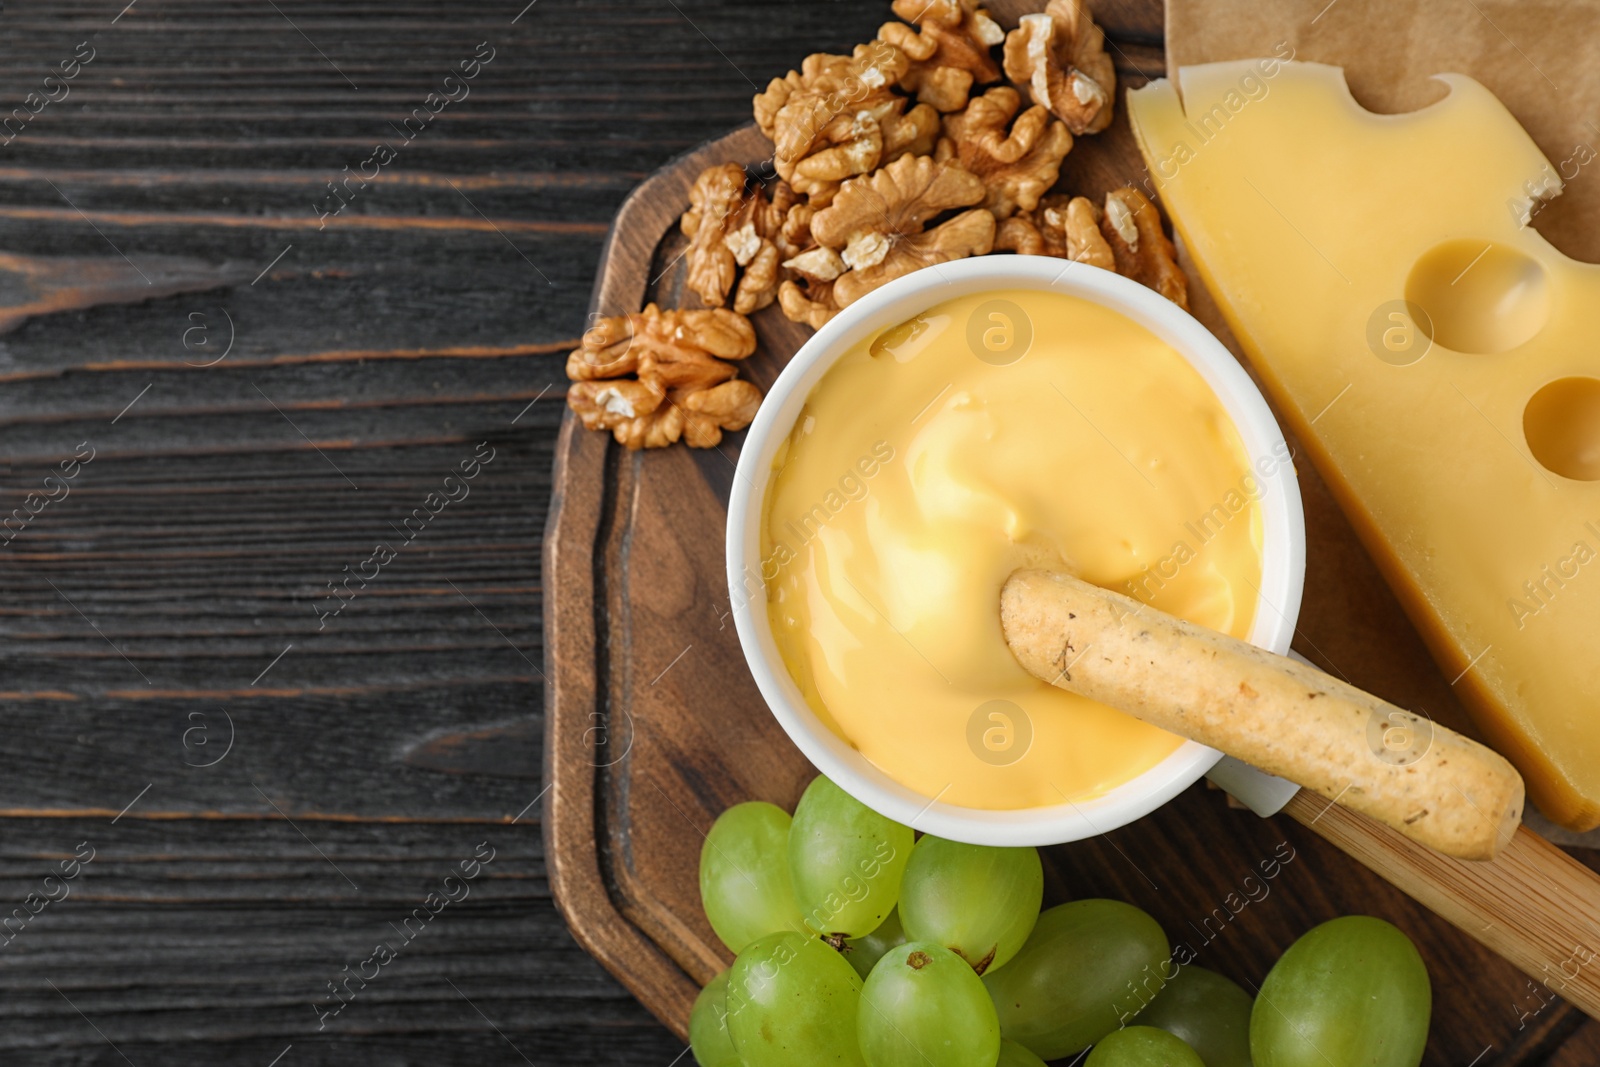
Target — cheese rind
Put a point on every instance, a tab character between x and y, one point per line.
1379	274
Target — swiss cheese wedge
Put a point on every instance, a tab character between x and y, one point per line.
1437	357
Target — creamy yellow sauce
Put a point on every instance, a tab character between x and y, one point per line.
919	476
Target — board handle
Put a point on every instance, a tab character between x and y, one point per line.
1533	904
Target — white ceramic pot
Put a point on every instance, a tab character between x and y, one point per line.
1283	549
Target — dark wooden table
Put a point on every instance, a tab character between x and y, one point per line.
268	789
177	587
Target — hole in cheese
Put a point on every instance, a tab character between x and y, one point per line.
1562	423
1481	297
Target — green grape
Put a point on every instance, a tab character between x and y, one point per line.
1208	1011
792	1002
744	875
864	952
846	861
980	902
1014	1055
923	1007
1142	1046
1353	990
1086	966
708	1026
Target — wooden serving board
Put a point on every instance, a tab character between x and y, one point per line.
654	725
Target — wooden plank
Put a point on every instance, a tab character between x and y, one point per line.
209	524
178	933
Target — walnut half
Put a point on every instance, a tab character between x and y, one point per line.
837	117
875	230
1125	237
1132	227
1059	59
684	388
731	234
948	50
1062	226
1018	161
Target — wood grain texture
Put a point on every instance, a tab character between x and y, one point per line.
677	732
1532	903
198	543
628	585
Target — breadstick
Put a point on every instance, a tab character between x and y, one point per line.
1446	791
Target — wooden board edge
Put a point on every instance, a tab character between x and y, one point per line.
572	864
572	833
643	219
1532	904
577	881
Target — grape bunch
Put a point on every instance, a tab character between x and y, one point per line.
858	944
